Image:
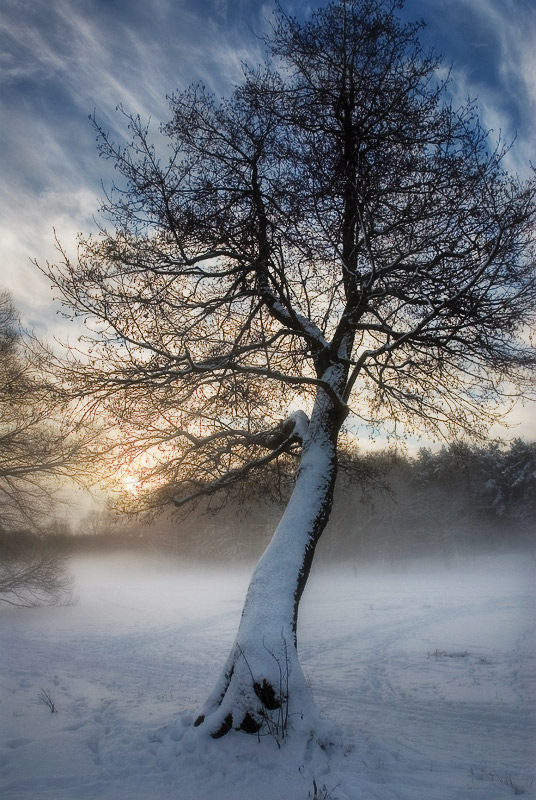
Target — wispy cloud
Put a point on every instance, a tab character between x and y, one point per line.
490	44
61	60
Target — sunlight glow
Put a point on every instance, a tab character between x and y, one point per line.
131	484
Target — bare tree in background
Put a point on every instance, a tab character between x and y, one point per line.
334	238
40	446
33	577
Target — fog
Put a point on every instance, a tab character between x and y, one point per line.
155	583
416	634
164	587
453	504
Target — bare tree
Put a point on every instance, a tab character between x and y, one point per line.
31	576
41	445
41	442
335	237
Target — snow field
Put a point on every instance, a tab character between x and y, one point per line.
428	674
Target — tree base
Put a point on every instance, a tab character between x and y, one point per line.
261	691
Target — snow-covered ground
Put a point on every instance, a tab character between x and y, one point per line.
429	672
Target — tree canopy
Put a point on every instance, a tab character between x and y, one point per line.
336	213
40	447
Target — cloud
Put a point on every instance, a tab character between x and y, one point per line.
490	44
61	60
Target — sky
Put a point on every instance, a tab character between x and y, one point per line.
63	60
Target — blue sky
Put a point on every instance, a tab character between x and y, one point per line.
62	59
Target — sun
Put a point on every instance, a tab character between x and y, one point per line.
131	484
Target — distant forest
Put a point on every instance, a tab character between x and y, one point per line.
388	506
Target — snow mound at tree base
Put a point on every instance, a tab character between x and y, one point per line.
245	761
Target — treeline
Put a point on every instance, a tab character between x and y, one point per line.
388	505
456	501
459	500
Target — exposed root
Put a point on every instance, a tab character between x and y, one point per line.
244	702
224	728
250	724
255	716
266	694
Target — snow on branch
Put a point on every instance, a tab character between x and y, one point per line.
280	439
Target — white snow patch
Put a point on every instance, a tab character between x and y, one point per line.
429	675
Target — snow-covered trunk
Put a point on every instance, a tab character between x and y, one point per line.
262	687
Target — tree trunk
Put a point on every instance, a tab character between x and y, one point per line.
262	687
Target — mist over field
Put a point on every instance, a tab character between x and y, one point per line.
453	503
416	634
